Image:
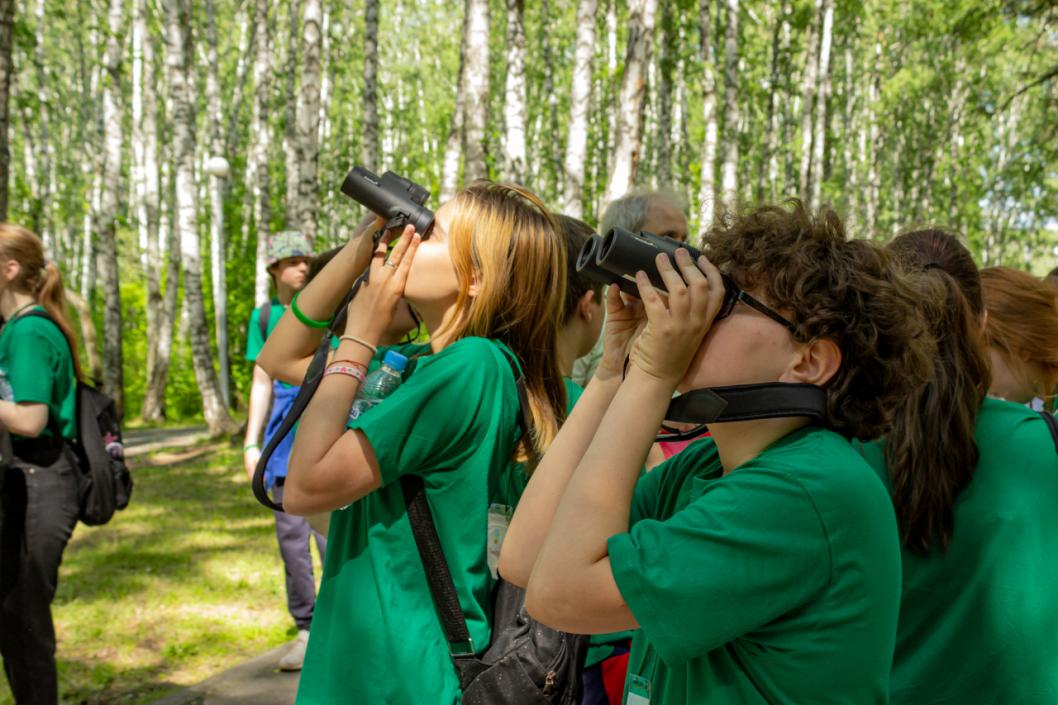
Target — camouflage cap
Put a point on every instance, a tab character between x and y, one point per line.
288	243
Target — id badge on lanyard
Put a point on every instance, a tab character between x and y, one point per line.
637	691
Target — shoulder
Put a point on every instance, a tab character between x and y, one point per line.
40	329
475	356
1013	435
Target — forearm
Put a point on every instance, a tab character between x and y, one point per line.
597	501
260	399
536	508
26	419
316	482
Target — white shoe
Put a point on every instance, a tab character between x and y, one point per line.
293	658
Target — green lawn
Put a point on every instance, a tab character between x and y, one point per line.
183	584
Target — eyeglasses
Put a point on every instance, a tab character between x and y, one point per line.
733	294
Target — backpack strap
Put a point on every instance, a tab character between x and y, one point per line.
1052	425
264	312
424	529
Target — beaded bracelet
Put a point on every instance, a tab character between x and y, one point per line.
310	322
347	370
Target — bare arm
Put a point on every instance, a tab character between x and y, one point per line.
331	466
572	586
27	419
260	400
288	351
536	508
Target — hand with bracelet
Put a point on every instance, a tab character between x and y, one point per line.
371	311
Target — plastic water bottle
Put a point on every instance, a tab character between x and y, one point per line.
379	384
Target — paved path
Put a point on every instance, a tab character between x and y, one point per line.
149	440
256	682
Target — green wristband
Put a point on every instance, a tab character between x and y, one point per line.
251	447
311	323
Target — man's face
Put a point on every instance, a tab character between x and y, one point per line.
291	272
665	219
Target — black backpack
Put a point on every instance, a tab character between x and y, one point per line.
1052	425
106	483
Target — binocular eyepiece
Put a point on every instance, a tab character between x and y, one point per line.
398	200
614	258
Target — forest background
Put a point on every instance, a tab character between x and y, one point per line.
114	113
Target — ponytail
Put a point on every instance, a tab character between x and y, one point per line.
40	279
930	451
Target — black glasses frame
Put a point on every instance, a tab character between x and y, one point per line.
733	294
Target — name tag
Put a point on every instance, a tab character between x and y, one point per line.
637	691
499	522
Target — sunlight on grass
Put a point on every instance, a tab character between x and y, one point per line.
185	583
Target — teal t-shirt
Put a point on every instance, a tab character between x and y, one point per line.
36	367
376	637
778	583
979	622
254	340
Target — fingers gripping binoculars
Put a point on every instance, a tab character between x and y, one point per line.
614	258
398	200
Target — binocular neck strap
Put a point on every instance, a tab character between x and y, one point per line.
747	402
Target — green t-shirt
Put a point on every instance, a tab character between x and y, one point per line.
376	637
978	622
777	583
254	340
36	367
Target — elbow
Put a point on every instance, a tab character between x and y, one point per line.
513	570
547	602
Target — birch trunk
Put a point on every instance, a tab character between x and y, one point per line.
729	175
309	119
154	400
290	135
707	187
476	90
579	111
632	99
370	136
260	127
514	150
768	173
217	242
178	38
106	215
873	176
809	82
819	137
7	70
454	141
665	67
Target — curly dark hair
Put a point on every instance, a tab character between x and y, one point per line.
848	291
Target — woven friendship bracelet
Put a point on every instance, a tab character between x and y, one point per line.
360	341
347	370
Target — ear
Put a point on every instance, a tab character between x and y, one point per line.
815	363
587	307
475	284
11	269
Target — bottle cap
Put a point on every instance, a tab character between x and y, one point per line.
395	360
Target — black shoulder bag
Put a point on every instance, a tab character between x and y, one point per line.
527	663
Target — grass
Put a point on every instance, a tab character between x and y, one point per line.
185	583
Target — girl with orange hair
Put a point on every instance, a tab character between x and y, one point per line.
38	372
488	281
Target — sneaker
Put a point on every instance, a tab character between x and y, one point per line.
293	658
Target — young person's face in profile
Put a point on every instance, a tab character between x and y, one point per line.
745	347
292	272
432	279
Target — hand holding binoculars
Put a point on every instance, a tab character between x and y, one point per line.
614	258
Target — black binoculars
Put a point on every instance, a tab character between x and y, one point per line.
614	258
398	200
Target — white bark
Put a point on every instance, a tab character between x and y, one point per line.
632	98
106	215
663	107
370	102
729	168
707	187
819	138
809	83
574	166
290	135
514	150
769	167
476	90
309	119
260	128
873	176
178	54
217	190
454	141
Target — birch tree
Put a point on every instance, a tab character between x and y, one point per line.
809	83
106	215
729	173
822	94
454	140
574	166
260	128
476	91
632	99
514	151
706	54
290	133
370	103
309	119
7	70
178	53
